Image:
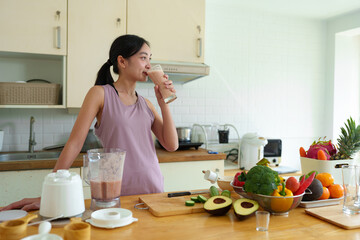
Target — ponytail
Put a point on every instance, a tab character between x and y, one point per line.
125	46
104	75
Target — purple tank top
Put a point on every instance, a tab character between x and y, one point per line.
129	128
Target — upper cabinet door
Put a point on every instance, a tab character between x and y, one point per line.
36	26
175	29
92	27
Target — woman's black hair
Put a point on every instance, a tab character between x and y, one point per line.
125	46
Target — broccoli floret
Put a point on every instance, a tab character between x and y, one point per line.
261	180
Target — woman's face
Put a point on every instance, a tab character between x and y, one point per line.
138	64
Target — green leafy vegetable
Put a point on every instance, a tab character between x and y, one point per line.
261	180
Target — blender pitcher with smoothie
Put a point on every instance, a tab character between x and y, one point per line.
103	171
157	76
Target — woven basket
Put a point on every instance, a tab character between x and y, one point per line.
29	93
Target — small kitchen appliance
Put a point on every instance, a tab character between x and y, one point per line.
251	150
62	194
103	171
272	152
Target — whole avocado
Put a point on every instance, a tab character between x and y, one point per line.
261	180
316	189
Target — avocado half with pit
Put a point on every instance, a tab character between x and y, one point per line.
244	208
218	205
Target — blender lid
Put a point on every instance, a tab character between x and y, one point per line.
61	176
254	139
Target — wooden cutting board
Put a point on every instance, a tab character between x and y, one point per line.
335	215
161	205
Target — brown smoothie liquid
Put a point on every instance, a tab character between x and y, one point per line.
157	76
105	190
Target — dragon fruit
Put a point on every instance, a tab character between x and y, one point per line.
328	145
315	147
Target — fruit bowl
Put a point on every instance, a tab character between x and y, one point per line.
272	204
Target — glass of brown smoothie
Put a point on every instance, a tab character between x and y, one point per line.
156	75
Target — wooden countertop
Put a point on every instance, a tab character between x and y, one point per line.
187	155
298	225
163	156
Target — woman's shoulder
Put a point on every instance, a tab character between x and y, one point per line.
149	104
96	92
97	89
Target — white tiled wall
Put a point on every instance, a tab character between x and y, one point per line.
267	75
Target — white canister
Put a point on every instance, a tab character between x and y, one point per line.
62	194
251	150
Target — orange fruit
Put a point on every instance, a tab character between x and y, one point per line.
326	194
326	179
336	191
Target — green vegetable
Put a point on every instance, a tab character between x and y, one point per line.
195	199
214	191
201	198
261	180
226	193
189	203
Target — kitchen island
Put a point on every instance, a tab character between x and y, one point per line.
182	170
297	225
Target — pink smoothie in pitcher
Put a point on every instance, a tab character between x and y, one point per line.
105	190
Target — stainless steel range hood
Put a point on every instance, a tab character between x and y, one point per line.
181	72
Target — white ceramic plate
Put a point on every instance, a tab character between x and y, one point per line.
321	203
11	215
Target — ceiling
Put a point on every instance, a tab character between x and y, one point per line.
319	9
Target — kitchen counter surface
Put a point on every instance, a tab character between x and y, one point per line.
298	225
163	156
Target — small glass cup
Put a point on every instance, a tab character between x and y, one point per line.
262	220
157	76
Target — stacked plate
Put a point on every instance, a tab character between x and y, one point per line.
111	218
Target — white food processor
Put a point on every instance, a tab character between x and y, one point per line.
103	171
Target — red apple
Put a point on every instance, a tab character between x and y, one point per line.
292	184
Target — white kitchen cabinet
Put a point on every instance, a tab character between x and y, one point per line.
16	185
36	26
175	29
92	27
182	176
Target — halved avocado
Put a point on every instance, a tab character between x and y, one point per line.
244	208
218	205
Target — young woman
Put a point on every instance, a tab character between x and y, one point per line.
124	120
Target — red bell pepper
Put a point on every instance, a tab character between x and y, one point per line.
306	183
239	179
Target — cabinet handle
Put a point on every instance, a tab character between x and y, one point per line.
118	21
58	15
199	54
58	37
